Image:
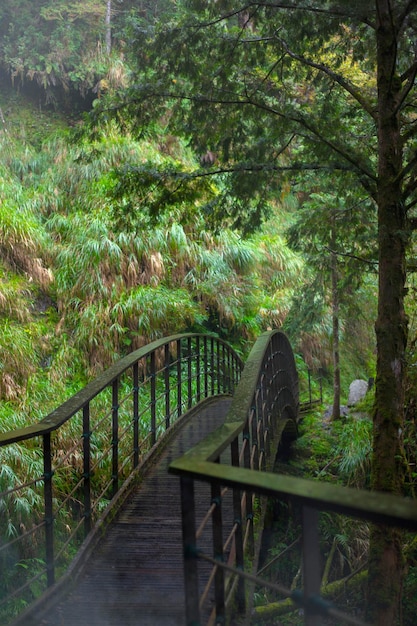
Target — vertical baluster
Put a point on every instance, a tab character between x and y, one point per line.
153	398
198	369
218	367
212	366
226	365
135	415
270	399
218	553
234	371
87	468
49	520
254	437
206	372
115	436
311	560
260	425
230	384
225	370
249	495
237	512
190	551
167	387
179	379
189	374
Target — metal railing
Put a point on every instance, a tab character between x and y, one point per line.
264	407
84	450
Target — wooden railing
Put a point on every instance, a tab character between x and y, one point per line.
77	458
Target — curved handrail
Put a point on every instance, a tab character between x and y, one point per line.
278	395
265	404
93	442
67	409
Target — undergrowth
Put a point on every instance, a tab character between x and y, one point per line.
339	453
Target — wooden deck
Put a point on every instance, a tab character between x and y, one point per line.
135	576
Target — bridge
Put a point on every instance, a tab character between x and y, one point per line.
145	500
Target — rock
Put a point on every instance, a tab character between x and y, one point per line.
357	391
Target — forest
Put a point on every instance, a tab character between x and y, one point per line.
216	167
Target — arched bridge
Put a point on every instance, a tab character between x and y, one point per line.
141	501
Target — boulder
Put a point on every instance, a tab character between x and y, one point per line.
357	391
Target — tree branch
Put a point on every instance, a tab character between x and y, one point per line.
352	159
274	609
338	78
290	6
410	75
412	5
348	255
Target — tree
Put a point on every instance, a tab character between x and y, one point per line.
277	87
58	45
333	230
108	26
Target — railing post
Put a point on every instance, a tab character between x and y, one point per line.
224	366
271	400
115	436
212	365
135	415
249	502
311	561
253	417
87	468
260	428
218	553
189	374
49	519
237	511
179	379
197	367
229	384
167	387
192	609
218	366
153	398
205	366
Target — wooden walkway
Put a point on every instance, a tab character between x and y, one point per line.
135	576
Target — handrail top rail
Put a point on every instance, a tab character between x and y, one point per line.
75	403
199	463
246	388
376	506
210	448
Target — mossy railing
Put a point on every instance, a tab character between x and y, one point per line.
84	450
264	408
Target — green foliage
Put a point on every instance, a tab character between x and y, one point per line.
354	450
127	239
111	264
55	44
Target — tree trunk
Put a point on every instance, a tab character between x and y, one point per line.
386	563
335	321
108	27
